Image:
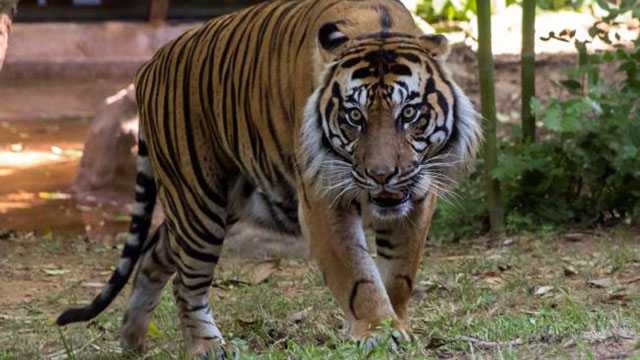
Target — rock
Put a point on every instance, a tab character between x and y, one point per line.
107	168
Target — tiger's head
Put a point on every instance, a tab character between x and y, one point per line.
386	125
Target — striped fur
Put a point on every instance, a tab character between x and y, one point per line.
312	116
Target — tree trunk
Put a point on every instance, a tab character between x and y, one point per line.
488	104
158	11
528	60
8	9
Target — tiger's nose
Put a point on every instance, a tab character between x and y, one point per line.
382	175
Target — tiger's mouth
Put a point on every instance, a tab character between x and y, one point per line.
388	205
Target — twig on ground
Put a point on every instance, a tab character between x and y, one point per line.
616	356
483	344
613	335
631	281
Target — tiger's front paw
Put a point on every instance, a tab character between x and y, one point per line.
386	338
214	355
214	349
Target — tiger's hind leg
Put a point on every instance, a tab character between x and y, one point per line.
196	237
153	273
191	289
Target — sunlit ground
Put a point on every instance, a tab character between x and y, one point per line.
38	163
17	160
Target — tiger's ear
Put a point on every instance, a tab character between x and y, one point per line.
437	45
331	39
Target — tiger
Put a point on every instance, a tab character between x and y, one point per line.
319	118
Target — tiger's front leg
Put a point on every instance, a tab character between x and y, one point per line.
339	246
400	245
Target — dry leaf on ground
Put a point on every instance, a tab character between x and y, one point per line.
494	282
600	283
297	317
54	272
543	290
98	285
569	270
575	237
263	271
246	321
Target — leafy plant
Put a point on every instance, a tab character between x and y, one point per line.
464	214
585	168
437	10
555	5
434	11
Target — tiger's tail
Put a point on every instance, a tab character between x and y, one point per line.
145	200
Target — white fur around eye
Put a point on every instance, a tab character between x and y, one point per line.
437	138
430	127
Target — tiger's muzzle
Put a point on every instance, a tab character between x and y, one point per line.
389	192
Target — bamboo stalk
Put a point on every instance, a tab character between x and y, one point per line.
488	109
158	11
528	60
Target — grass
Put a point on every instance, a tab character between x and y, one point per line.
472	300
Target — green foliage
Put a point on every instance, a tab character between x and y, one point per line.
555	5
464	214
434	11
437	10
585	169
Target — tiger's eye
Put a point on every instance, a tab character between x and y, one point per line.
355	117
408	113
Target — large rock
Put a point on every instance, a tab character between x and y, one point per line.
107	168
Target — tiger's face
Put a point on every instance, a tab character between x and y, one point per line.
392	124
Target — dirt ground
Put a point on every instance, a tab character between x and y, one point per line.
568	296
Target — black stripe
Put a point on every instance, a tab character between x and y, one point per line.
354	293
199	285
384	243
407	280
384	35
195	253
385	18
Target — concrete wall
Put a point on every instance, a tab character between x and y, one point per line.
109	49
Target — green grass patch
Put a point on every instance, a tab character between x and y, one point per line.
473	300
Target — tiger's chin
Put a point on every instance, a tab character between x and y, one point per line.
389	207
